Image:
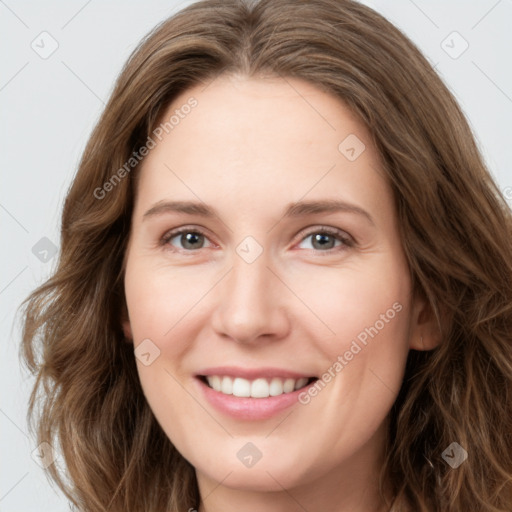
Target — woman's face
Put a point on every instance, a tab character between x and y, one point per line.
287	267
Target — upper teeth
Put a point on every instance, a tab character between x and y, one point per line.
259	388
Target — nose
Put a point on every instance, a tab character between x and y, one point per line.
251	303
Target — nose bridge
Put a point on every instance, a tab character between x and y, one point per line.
249	304
249	281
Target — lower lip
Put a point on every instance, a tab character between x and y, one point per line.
250	408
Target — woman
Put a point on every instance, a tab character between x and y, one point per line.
284	281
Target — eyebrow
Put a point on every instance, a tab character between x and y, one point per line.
297	209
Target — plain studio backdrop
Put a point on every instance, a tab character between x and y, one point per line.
59	61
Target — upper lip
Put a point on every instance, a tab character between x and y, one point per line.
253	373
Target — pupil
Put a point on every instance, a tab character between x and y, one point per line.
321	238
190	239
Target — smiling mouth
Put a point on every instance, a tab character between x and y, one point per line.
256	388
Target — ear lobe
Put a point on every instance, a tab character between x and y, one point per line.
425	342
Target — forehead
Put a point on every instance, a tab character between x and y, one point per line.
246	136
264	111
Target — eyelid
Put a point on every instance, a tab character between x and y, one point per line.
343	235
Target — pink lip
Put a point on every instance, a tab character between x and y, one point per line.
252	373
249	408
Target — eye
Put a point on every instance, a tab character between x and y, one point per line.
326	239
323	239
190	239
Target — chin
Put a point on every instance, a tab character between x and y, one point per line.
272	474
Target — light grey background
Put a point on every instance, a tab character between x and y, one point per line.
49	107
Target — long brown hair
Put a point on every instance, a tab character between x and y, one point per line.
455	228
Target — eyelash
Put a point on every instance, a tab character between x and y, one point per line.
346	240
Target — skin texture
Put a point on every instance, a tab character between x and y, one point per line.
248	149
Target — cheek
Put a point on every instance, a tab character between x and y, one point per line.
159	298
366	346
158	301
355	302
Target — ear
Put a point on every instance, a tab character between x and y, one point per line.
425	333
125	324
